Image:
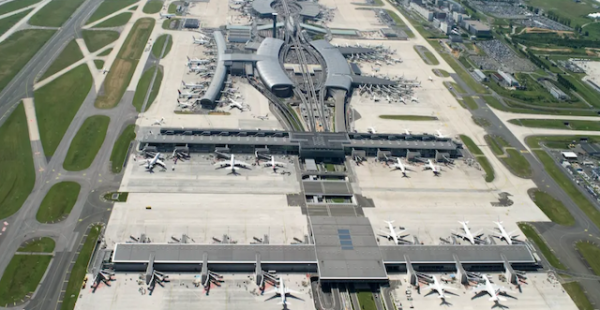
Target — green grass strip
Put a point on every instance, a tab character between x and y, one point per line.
142	88
55	13
9	22
22	277
87	142
591	253
115	21
108	7
534	237
480	157
16	5
97	39
558	124
157	48
366	301
70	55
119	151
59	202
554	209
41	245
409	117
152	6
578	296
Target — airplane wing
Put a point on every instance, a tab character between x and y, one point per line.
479	288
279	164
272	291
241	164
161	163
224	163
291	292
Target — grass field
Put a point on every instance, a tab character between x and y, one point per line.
40	245
366	301
116	21
58	202
124	65
534	237
557	124
57	103
99	64
86	143
427	56
576	12
142	88
17	50
470	102
400	23
553	208
106	52
591	253
172	8
21	277
55	13
409	117
480	157
9	22
122	196
457	88
16	163
464	75
495	144
442	73
152	6
97	39
108	7
481	122
16	5
119	151
79	269
515	161
157	48
167	23
562	179
514	107
70	55
578	295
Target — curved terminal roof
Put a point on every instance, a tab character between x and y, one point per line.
338	70
214	89
264	7
269	68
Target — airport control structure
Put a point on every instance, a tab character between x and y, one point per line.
337	248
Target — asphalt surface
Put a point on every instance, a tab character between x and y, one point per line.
559	238
94	181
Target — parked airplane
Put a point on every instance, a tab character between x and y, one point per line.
261	117
434	168
474	238
506	236
198	60
237	1
236	104
392	234
198	69
231	164
199	41
371	130
167	16
273	163
489	288
438	288
187	94
159	121
439	134
282	292
400	166
407	132
431	79
191	85
414	99
150	163
186	105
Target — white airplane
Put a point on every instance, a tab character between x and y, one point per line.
273	163
407	132
167	16
198	60
150	163
199	41
371	130
430	78
198	69
282	292
439	134
191	85
438	288
402	100
159	121
489	288
468	235
434	168
397	60
237	1
504	235
400	166
392	234
186	105
188	94
232	163
414	99
236	104
263	117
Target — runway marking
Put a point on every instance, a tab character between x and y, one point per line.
5	223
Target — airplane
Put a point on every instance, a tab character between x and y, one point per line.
400	166
371	130
407	132
438	288
232	163
489	288
187	94
150	163
186	105
402	100
198	69
430	78
237	1
432	167
392	234
236	104
261	117
198	60
191	85
159	121
167	16
506	236
273	163
439	134
199	41
474	238
414	99
282	292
